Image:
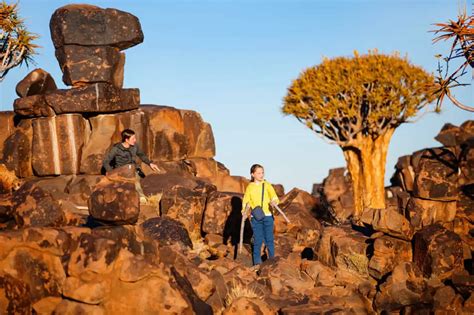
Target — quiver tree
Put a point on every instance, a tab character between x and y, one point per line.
16	43
357	103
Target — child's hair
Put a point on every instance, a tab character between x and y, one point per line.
253	169
126	134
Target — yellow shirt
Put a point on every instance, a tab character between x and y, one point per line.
253	196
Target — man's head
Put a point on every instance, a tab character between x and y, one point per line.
128	136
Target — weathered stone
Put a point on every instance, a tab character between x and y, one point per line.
223	214
88	25
425	212
14	296
94	255
390	222
68	307
388	252
105	131
449	135
95	98
337	201
17	150
33	206
57	144
405	286
437	252
33	106
344	248
436	174
84	65
199	135
47	305
404	175
115	202
166	231
208	167
190	294
36	82
246	305
86	292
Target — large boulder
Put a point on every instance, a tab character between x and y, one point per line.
424	212
438	252
115	200
36	82
33	206
166	231
17	149
337	201
95	98
388	252
405	286
87	25
388	221
344	248
84	65
436	174
223	215
57	144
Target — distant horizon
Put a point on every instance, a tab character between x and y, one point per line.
232	62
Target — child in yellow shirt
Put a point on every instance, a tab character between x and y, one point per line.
263	229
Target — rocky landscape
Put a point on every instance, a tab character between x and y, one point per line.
75	241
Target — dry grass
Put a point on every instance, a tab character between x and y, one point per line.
239	290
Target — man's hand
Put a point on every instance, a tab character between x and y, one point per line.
155	167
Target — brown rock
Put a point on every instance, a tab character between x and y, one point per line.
251	306
166	231
443	298
199	135
222	214
36	82
425	212
89	25
14	296
47	305
33	106
463	282
83	65
115	202
184	205
344	248
449	135
68	307
86	292
80	187
436	174
208	167
57	144
388	252
390	222
437	252
186	289
17	150
337	202
96	98
33	206
405	286
404	175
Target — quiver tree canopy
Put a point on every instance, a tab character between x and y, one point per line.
357	102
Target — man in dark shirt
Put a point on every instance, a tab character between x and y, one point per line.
124	153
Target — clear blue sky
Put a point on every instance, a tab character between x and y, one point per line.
232	61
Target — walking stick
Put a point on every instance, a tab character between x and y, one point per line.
281	212
242	224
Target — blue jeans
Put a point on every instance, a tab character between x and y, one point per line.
262	231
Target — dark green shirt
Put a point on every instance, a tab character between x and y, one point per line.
120	155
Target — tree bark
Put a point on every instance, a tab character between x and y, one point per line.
366	164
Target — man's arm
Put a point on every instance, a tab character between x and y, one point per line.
108	158
142	155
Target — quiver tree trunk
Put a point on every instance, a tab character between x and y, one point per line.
366	163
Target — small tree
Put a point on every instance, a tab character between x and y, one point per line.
357	103
461	32
16	43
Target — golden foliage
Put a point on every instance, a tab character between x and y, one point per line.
368	94
16	43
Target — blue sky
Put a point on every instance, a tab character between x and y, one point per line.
232	61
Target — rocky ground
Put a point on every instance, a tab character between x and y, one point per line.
75	241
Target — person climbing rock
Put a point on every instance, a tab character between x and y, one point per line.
124	153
